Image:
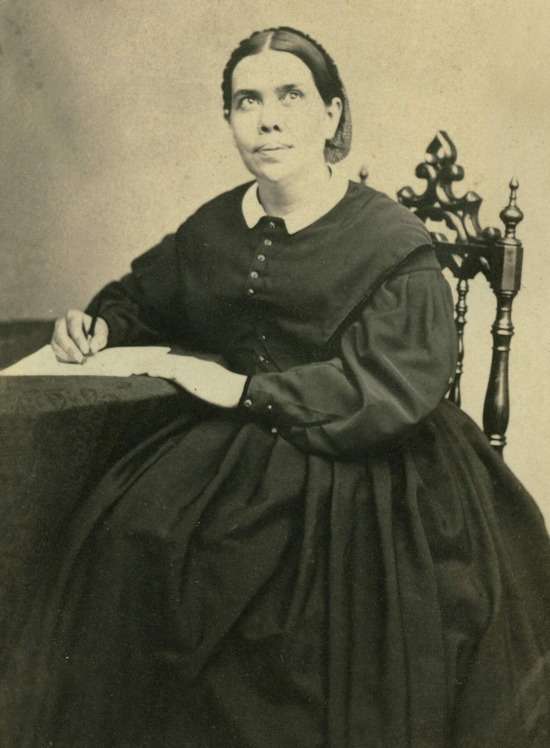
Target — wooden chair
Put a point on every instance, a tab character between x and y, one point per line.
472	251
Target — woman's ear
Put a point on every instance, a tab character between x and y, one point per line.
334	113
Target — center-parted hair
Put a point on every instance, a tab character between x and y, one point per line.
321	65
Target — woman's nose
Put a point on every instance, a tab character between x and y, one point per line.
266	127
270	118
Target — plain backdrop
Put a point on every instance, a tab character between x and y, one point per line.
111	133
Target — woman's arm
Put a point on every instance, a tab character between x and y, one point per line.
136	310
394	366
137	307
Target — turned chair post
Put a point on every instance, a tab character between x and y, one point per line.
505	281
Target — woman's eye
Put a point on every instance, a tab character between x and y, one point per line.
247	103
292	96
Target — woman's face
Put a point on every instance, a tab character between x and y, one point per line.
279	121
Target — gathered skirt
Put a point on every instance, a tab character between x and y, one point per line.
221	588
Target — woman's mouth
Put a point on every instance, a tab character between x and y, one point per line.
272	147
272	152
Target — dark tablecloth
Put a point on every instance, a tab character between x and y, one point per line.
58	435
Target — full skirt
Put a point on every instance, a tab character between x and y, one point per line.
222	588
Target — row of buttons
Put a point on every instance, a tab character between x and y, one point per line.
255	275
261	258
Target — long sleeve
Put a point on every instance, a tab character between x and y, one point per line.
394	366
139	308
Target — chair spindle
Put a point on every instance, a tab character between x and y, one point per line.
461	309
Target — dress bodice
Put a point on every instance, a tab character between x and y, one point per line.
356	299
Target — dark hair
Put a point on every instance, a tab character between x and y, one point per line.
320	63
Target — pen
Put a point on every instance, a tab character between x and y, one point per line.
91	331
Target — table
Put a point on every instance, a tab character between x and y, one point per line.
58	435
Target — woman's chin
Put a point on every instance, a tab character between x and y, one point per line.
278	168
274	171
262	167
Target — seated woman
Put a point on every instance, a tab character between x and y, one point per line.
319	550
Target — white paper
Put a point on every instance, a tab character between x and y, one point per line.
111	362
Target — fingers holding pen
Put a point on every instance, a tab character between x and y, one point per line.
78	324
77	335
64	347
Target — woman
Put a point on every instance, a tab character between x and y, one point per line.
319	550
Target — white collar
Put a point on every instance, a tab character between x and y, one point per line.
320	205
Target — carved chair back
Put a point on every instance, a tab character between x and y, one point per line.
472	251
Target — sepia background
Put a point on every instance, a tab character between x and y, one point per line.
111	133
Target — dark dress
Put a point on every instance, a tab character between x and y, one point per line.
342	560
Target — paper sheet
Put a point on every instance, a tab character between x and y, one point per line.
111	362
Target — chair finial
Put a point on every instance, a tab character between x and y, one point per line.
364	173
511	215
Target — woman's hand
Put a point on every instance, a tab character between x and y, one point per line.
71	342
205	379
